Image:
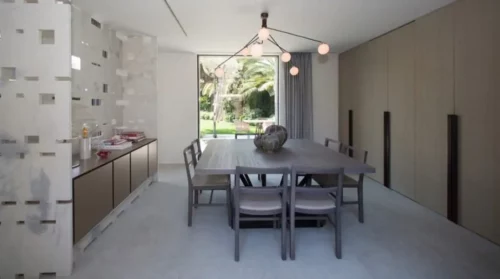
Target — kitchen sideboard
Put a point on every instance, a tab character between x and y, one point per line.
100	185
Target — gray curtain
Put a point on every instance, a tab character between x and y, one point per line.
298	97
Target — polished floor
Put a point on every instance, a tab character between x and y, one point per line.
399	239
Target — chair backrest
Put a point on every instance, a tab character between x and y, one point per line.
197	149
241	126
356	153
323	189
189	162
268	189
334	144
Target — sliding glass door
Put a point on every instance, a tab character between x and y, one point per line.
242	102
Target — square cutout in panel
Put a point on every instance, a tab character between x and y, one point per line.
95	23
31	78
8	73
76	63
47	154
20	95
32	139
47	37
20	31
63	78
7	1
105	88
104	54
31	1
47	99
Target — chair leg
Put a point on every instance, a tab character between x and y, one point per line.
292	234
228	205
237	236
338	234
361	211
190	207
283	234
196	194
211	197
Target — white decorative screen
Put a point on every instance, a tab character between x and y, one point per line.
35	111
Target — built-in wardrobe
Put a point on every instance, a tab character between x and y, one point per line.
424	101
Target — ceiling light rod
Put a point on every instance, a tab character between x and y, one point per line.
175	17
274	42
300	36
253	40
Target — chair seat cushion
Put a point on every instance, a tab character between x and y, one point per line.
308	201
211	180
332	179
260	202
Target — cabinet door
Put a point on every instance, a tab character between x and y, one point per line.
153	158
121	179
433	101
373	103
93	198
477	104
401	91
139	167
345	92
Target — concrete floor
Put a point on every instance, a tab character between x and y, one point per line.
399	239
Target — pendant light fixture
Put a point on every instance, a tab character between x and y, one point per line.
255	47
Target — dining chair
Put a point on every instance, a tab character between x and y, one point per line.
335	143
337	146
349	182
198	182
259	201
245	177
317	202
197	148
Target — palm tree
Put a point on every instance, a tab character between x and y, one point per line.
258	75
208	81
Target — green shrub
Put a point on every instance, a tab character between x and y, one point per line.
228	106
261	103
205	103
205	115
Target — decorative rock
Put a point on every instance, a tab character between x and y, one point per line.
273	139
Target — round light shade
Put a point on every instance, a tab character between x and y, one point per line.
219	72
286	57
245	52
257	50
323	49
294	71
263	34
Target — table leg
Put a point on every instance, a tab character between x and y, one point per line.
263	178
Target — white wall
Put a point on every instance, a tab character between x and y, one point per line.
177	105
325	75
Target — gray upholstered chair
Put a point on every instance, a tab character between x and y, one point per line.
324	179
197	183
317	202
259	201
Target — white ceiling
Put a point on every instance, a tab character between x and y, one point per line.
224	26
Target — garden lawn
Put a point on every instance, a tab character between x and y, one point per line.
223	128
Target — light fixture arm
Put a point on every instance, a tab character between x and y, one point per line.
253	40
274	42
292	34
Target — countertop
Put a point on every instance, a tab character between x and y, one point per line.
95	162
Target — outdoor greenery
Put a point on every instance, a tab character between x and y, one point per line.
246	92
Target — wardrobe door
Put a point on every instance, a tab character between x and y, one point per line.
374	102
433	101
477	104
401	92
345	91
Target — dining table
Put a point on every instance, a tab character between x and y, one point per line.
222	156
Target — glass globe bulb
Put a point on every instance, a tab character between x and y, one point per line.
294	71
286	57
263	34
323	49
245	52
257	50
219	72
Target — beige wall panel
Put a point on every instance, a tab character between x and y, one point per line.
345	74
476	25
373	103
401	92
93	198
121	179
434	101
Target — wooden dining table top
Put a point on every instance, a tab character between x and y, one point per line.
223	156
